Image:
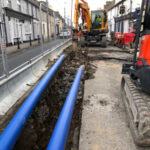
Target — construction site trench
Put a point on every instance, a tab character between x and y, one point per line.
38	129
99	121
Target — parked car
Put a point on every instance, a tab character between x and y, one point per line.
65	33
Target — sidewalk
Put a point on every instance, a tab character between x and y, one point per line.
17	57
103	117
14	48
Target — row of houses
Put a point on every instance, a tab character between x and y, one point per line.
21	20
122	22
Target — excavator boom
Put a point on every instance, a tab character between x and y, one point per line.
82	6
94	24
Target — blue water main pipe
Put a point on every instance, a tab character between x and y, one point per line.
12	131
60	133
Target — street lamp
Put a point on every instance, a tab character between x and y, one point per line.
47	20
3	50
3	43
64	17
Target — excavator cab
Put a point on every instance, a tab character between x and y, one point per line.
94	24
99	19
99	28
96	19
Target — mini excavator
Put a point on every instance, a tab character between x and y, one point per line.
135	85
94	24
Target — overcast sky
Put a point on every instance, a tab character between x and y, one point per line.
60	4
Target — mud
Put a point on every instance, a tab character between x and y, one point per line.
38	129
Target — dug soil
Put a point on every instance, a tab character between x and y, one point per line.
38	130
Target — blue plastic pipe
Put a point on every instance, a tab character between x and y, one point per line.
12	131
60	133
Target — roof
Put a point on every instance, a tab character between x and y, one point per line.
44	8
34	2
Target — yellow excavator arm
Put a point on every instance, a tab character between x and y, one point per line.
84	6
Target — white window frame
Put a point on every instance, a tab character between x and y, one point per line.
19	4
9	4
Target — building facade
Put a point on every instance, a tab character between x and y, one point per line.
22	20
60	23
122	23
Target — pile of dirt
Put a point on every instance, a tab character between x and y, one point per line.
37	131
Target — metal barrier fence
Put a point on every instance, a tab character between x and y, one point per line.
34	58
12	131
26	75
60	133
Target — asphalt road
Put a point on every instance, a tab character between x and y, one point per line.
20	57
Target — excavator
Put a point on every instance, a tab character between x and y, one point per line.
94	24
135	84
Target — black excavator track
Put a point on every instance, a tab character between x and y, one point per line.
137	105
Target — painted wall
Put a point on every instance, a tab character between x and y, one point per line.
22	29
115	13
16	28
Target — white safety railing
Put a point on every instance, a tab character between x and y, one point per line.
23	77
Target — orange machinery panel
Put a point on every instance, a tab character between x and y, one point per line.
145	49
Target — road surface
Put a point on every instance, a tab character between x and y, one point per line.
20	57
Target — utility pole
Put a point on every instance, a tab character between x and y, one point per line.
3	49
47	19
3	42
130	11
41	35
68	21
54	15
65	12
71	16
64	18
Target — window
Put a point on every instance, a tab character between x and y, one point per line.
96	19
8	3
36	13
27	27
19	5
16	28
27	7
44	29
9	19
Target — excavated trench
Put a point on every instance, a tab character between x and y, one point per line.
38	129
